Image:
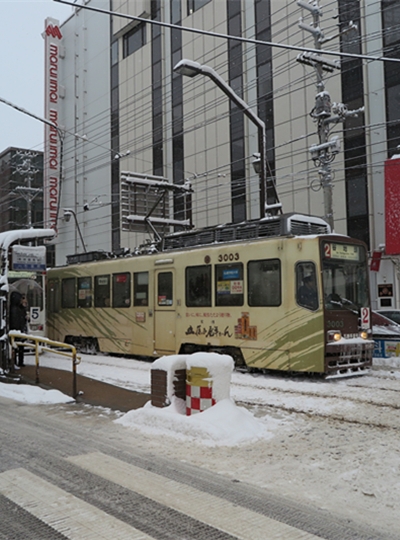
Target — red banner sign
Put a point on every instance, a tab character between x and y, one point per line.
392	206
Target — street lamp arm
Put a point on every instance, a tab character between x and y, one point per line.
68	212
191	69
269	201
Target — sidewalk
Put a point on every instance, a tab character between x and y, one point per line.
90	391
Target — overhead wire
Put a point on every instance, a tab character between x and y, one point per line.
147	145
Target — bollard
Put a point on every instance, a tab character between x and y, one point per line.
198	390
208	380
168	376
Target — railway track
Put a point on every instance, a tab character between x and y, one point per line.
348	401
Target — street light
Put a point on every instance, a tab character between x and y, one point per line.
68	212
271	206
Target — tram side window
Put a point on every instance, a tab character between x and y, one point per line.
165	289
141	289
68	293
306	286
84	292
102	295
121	290
53	296
198	286
264	283
229	281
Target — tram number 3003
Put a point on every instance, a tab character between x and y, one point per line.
228	257
335	324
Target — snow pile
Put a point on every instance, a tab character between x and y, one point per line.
224	424
33	394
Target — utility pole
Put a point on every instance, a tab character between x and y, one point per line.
325	113
25	169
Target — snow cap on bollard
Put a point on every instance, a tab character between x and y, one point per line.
208	380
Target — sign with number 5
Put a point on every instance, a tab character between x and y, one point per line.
35	314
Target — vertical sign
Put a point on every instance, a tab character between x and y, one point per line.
365	318
392	206
376	261
51	162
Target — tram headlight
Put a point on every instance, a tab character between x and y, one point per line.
334	335
364	334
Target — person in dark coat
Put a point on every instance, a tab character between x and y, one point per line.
18	319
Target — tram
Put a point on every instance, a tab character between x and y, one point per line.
282	293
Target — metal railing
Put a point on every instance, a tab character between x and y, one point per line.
39	343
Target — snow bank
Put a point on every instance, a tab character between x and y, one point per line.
224	424
32	394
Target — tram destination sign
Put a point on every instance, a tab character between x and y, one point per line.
29	258
346	252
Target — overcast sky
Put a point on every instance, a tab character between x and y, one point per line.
22	68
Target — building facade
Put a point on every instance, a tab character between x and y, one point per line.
83	113
143	123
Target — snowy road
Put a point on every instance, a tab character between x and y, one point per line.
334	444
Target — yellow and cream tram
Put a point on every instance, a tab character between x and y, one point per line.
281	293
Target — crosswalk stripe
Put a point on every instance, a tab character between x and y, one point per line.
65	513
219	513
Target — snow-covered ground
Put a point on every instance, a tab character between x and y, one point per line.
334	443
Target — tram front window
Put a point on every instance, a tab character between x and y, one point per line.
345	276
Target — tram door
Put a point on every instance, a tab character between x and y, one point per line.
164	313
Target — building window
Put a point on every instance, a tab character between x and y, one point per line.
391	22
114	127
134	39
157	94
236	126
354	132
265	87
194	5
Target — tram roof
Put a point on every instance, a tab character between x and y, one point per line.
283	225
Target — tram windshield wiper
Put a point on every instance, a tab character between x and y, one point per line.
336	300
